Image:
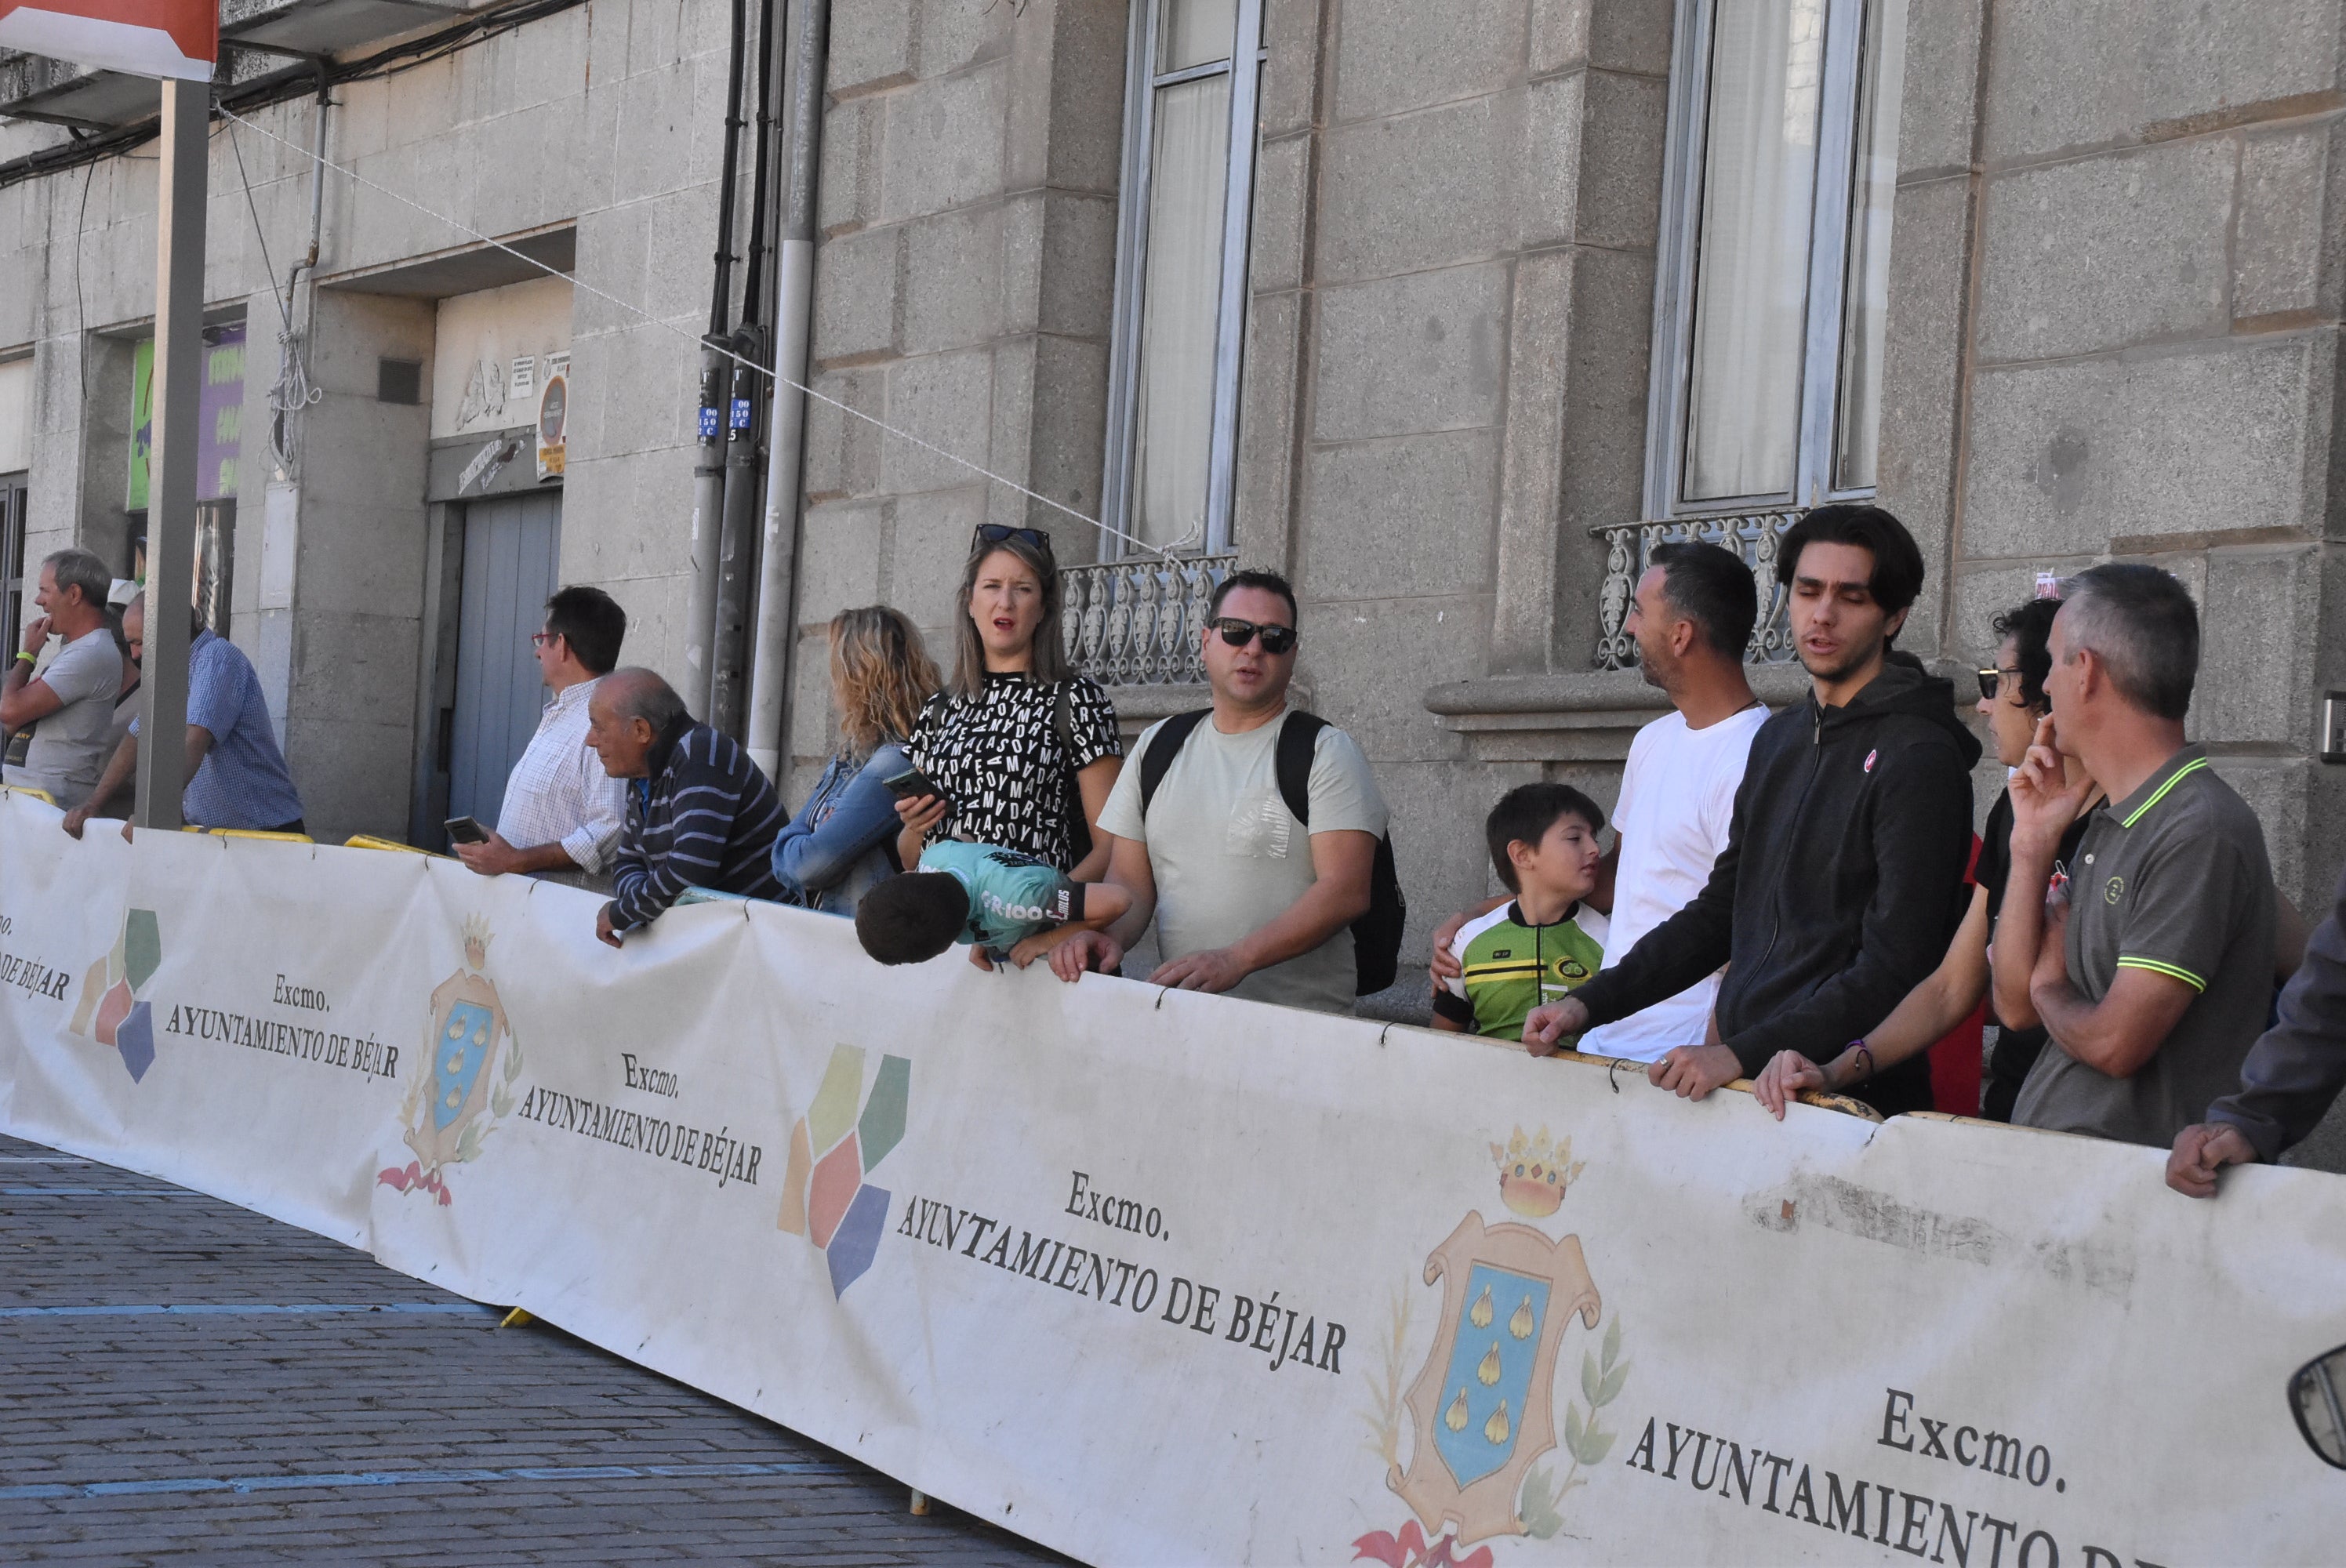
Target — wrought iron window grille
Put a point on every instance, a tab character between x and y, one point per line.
1628	550
1137	622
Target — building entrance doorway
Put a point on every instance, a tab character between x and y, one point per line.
513	549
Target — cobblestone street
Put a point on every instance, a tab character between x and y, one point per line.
183	1381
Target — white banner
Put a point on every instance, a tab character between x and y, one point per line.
1160	1278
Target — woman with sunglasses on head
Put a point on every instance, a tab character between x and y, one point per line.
2012	699
1023	749
843	842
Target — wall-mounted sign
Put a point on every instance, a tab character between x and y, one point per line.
219	425
493	353
553	416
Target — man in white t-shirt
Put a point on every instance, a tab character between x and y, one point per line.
70	703
1692	618
1246	898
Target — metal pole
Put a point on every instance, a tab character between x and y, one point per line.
769	669
708	512
171	466
736	538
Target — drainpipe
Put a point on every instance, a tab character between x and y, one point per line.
736	538
793	321
709	465
707	507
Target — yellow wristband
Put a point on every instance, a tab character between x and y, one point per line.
29	658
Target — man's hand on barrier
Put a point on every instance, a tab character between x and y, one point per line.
979	957
1787	1074
1086	950
76	817
1030	948
2201	1151
1691	1072
1216	969
602	928
1551	1021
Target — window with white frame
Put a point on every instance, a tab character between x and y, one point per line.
1774	273
1191	79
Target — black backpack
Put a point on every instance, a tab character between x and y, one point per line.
1376	935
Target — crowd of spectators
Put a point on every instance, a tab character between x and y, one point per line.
1793	900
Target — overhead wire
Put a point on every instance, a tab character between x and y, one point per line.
767	371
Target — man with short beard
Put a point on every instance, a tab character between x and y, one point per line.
1691	616
1842	880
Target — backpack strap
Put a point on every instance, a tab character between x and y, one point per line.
1163	747
1298	740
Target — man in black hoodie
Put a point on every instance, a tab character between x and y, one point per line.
1842	882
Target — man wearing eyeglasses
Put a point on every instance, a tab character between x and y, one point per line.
1247	898
562	814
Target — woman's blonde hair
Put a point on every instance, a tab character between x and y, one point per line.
1049	663
881	673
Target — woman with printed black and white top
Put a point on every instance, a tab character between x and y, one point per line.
1024	749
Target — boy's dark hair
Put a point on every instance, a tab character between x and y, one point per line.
1897	560
1526	812
912	918
1268	582
592	623
2030	628
1713	588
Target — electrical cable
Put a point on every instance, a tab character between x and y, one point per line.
260	237
696	342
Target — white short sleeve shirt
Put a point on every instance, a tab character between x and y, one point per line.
1676	807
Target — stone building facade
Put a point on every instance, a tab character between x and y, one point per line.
1449	342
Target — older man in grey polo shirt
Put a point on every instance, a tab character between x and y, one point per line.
2152	967
69	704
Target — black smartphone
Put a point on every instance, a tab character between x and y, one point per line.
465	830
912	782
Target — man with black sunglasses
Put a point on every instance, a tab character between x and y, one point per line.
1248	896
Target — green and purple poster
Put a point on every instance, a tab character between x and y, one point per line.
220	429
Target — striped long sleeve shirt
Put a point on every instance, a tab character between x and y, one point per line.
705	817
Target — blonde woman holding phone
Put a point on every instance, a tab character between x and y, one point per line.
842	843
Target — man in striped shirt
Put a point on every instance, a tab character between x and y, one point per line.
699	814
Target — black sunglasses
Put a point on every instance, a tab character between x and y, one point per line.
1238	634
1002	533
1992	681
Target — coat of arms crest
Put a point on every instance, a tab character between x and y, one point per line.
1480	1405
471	1059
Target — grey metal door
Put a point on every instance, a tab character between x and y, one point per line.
513	546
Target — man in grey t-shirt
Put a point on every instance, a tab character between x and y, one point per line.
70	704
1246	899
2153	968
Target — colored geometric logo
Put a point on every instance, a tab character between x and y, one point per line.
110	1010
825	1196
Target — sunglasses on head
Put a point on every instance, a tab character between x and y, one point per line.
1275	640
1002	533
